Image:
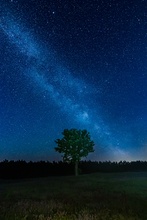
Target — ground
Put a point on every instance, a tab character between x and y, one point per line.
99	196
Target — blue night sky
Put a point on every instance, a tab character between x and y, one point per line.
73	64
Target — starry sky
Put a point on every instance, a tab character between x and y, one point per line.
73	64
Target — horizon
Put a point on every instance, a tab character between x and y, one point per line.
73	65
93	161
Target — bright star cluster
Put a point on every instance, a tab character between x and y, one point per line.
73	65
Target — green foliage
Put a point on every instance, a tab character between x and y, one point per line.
74	145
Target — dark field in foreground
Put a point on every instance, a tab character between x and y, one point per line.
117	196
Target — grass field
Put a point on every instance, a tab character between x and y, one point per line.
117	196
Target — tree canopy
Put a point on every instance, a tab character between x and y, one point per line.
74	145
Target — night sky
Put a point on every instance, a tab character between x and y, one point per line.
73	64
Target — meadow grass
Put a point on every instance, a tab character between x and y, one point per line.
99	196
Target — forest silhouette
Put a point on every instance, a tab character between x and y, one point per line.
22	169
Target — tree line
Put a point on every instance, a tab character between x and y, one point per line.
22	169
73	146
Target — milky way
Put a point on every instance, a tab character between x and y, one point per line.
64	82
73	96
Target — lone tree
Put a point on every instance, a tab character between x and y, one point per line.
74	145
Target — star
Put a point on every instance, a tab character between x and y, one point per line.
84	71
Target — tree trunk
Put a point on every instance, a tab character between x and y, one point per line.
76	168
